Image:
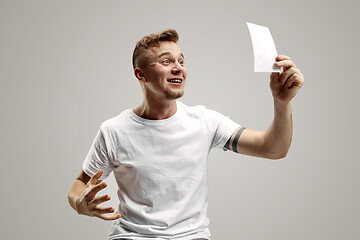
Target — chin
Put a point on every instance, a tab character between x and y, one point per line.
171	95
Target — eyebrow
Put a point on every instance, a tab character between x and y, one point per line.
169	53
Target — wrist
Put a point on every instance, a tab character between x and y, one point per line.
282	107
281	104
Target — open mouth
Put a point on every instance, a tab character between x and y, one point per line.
175	80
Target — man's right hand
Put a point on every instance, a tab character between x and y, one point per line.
88	203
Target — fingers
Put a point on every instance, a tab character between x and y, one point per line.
290	75
99	200
108	217
285	64
282	57
295	80
95	178
94	190
284	61
285	75
291	81
102	210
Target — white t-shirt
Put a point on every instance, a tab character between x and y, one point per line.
160	167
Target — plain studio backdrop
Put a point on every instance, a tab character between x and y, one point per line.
65	67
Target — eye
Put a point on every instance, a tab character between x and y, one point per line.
181	62
166	61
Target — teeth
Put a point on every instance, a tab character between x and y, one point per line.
175	80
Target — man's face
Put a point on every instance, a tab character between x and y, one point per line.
165	72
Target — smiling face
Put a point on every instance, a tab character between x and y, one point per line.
163	76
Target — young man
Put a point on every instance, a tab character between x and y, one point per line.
158	151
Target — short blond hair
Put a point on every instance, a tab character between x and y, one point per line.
152	40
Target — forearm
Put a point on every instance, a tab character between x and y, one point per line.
74	192
278	136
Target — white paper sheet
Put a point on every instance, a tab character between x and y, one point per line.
264	48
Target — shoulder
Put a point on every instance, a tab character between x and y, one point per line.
207	116
201	111
119	121
195	111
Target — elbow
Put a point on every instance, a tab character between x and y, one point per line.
277	152
277	155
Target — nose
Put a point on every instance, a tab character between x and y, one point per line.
177	68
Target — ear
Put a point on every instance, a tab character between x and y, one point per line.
139	74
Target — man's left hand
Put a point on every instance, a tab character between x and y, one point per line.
285	84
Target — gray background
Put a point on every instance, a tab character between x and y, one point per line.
66	67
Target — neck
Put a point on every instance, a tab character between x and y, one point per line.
156	110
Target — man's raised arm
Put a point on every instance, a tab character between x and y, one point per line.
275	142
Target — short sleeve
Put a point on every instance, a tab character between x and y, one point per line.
223	128
98	157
